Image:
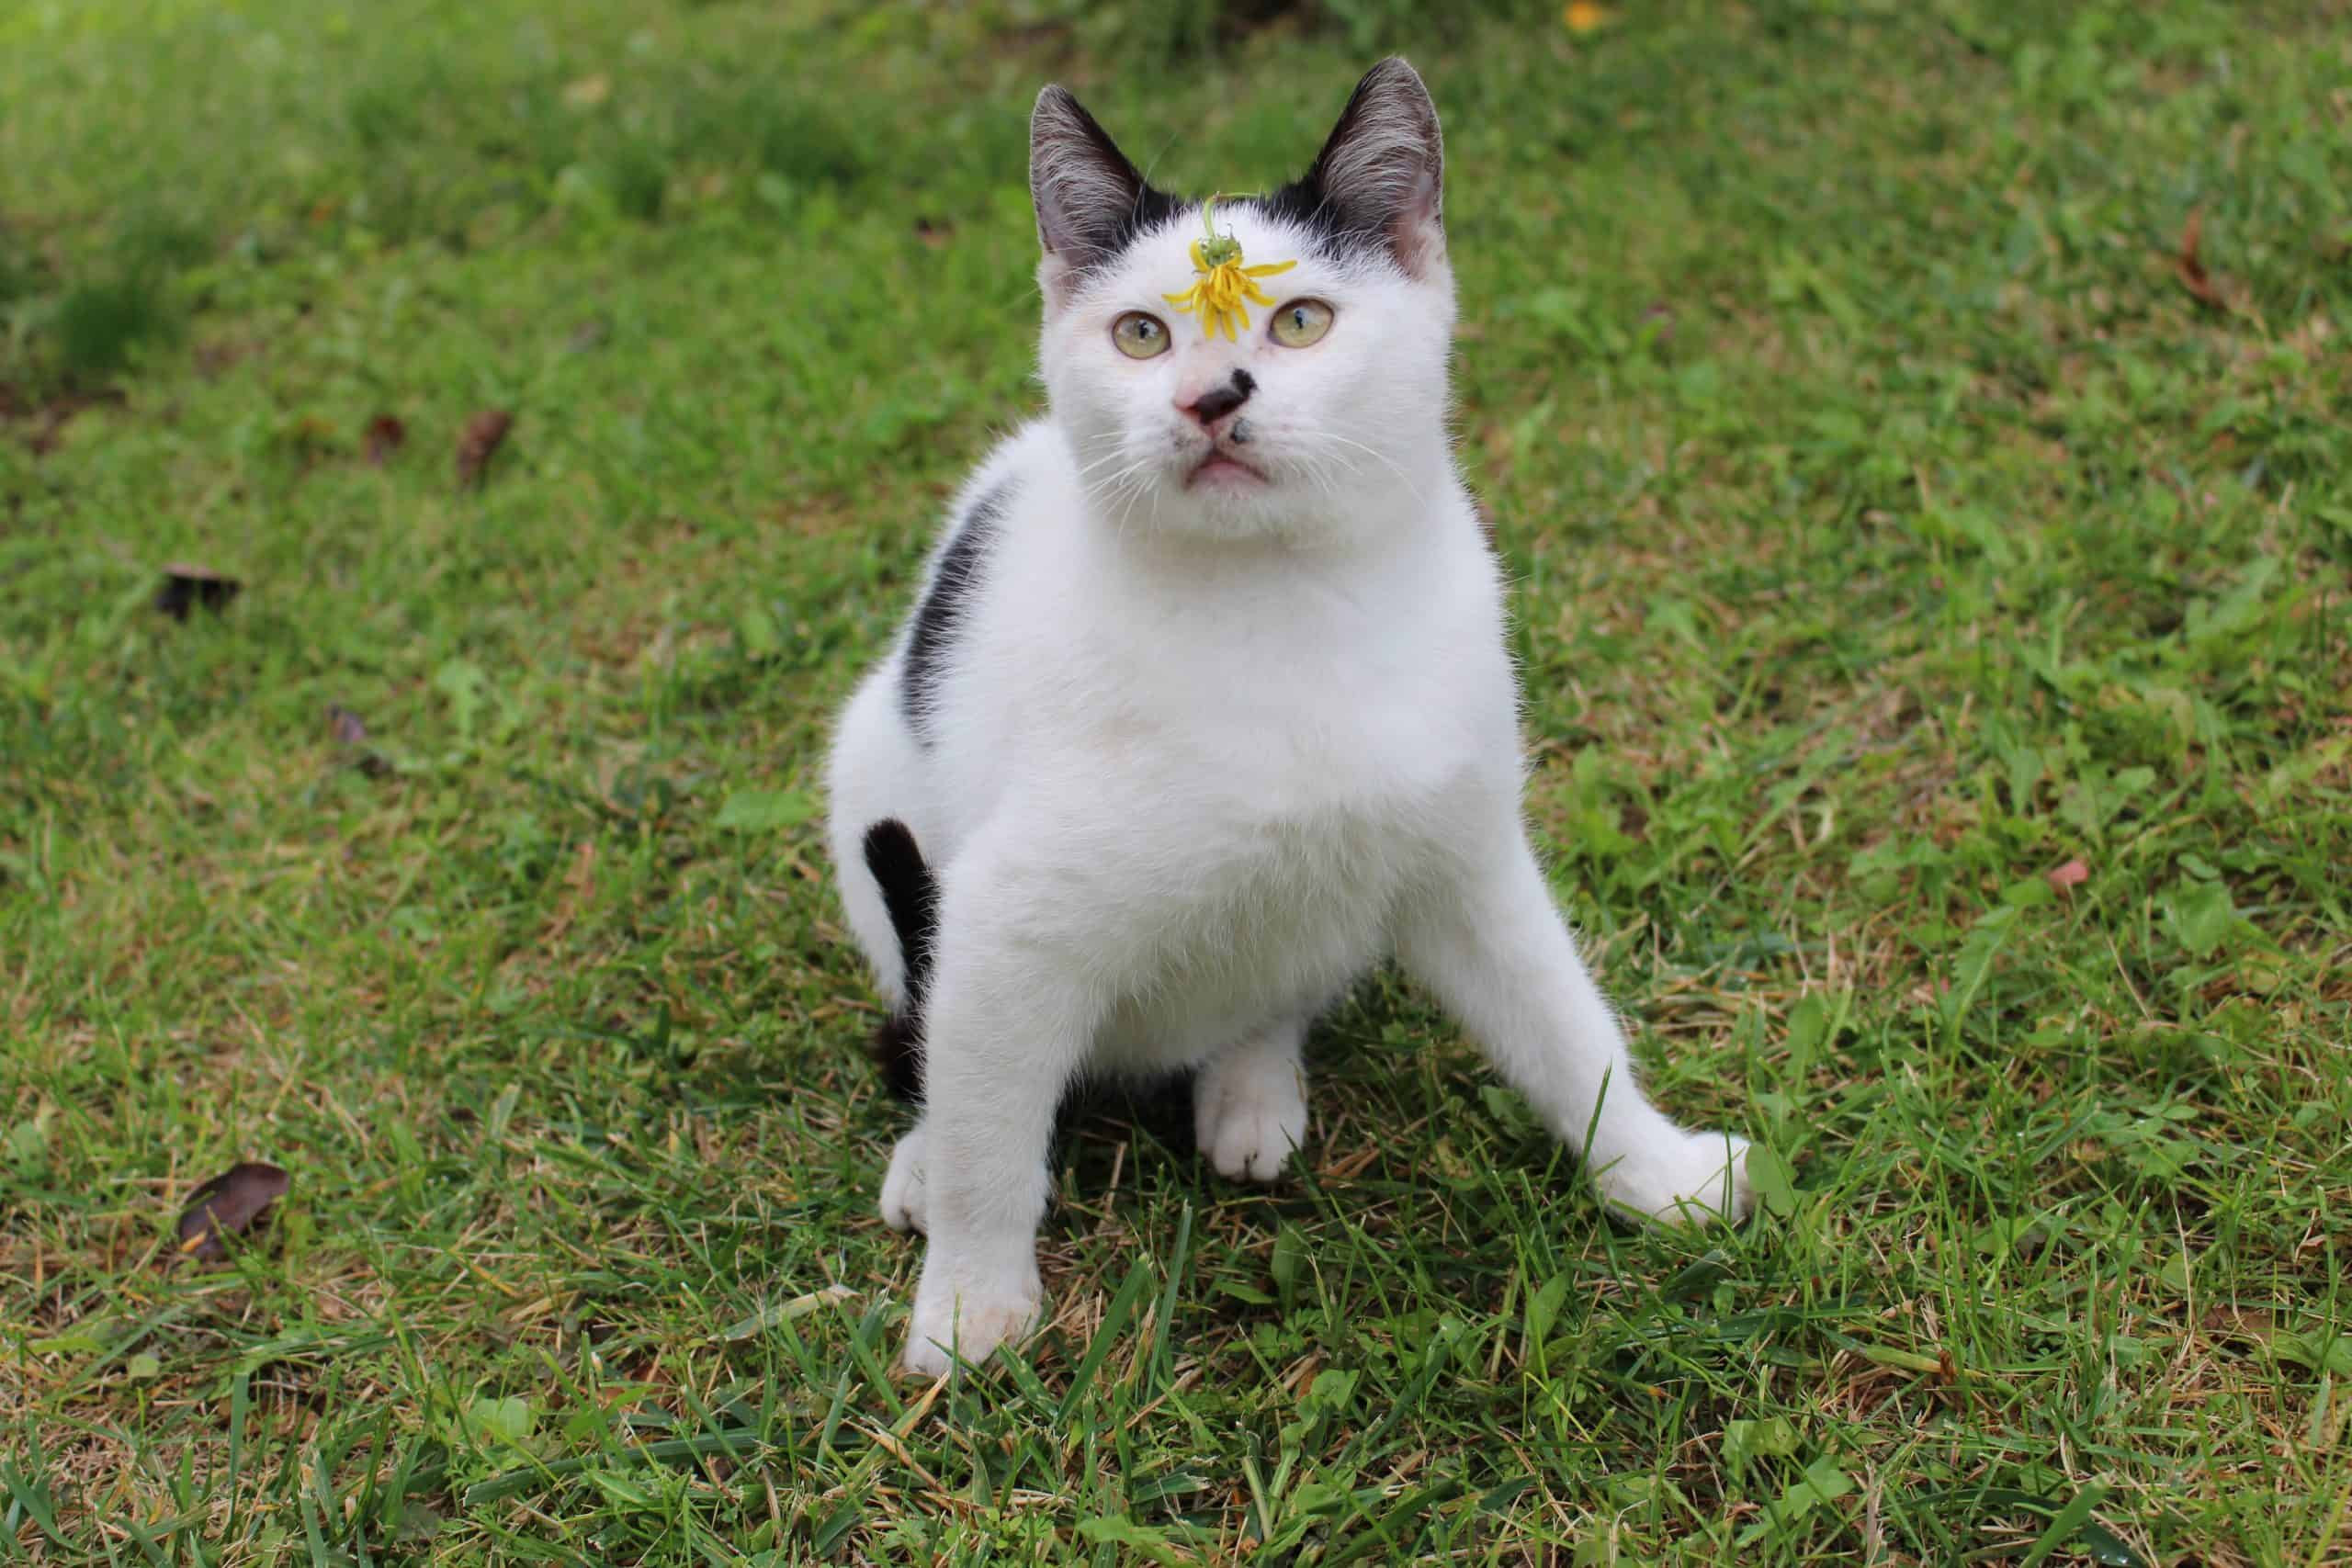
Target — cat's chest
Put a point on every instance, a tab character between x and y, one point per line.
1318	714
1306	745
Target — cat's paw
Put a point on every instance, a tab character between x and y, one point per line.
1698	1179
1249	1114
906	1191
969	1318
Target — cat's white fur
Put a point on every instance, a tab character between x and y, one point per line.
1204	755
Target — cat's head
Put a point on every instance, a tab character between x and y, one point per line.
1328	407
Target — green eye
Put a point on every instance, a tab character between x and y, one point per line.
1139	336
1301	322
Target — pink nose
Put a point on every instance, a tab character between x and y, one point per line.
1221	399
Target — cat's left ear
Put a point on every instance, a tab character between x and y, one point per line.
1090	199
1381	173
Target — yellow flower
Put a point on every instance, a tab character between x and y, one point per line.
1583	16
1226	290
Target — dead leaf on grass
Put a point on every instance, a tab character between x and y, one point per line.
2190	263
351	732
185	586
485	433
229	1204
385	437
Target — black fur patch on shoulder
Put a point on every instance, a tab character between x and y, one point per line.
910	895
944	606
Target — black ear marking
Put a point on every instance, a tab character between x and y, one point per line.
1380	180
1090	200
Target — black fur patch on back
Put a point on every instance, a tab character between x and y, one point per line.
910	895
944	606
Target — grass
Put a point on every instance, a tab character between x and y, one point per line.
1893	526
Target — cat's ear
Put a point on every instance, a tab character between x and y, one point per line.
1090	199
1381	173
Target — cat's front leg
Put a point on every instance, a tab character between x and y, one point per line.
1487	938
1250	1103
1005	1036
906	1187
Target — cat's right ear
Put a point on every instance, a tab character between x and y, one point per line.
1090	199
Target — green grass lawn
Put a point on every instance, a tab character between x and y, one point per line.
1896	519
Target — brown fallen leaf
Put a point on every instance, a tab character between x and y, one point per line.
213	358
2073	873
2246	1325
226	1205
484	432
351	732
50	416
385	437
2190	263
185	586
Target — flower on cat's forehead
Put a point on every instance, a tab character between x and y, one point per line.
1226	288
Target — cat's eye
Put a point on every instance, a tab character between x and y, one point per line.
1301	322
1139	336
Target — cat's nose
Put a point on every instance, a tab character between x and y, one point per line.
1221	399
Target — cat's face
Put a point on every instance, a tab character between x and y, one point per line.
1325	408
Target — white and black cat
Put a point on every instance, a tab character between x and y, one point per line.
1206	710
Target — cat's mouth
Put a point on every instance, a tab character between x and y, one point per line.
1219	469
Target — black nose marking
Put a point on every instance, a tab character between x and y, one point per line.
1218	402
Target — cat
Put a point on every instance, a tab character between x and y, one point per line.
1203	710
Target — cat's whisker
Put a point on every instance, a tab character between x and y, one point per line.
1110	490
1392	466
1100	462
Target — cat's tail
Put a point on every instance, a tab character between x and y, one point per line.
910	897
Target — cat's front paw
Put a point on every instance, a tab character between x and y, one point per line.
969	1318
1699	1179
906	1190
1249	1114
